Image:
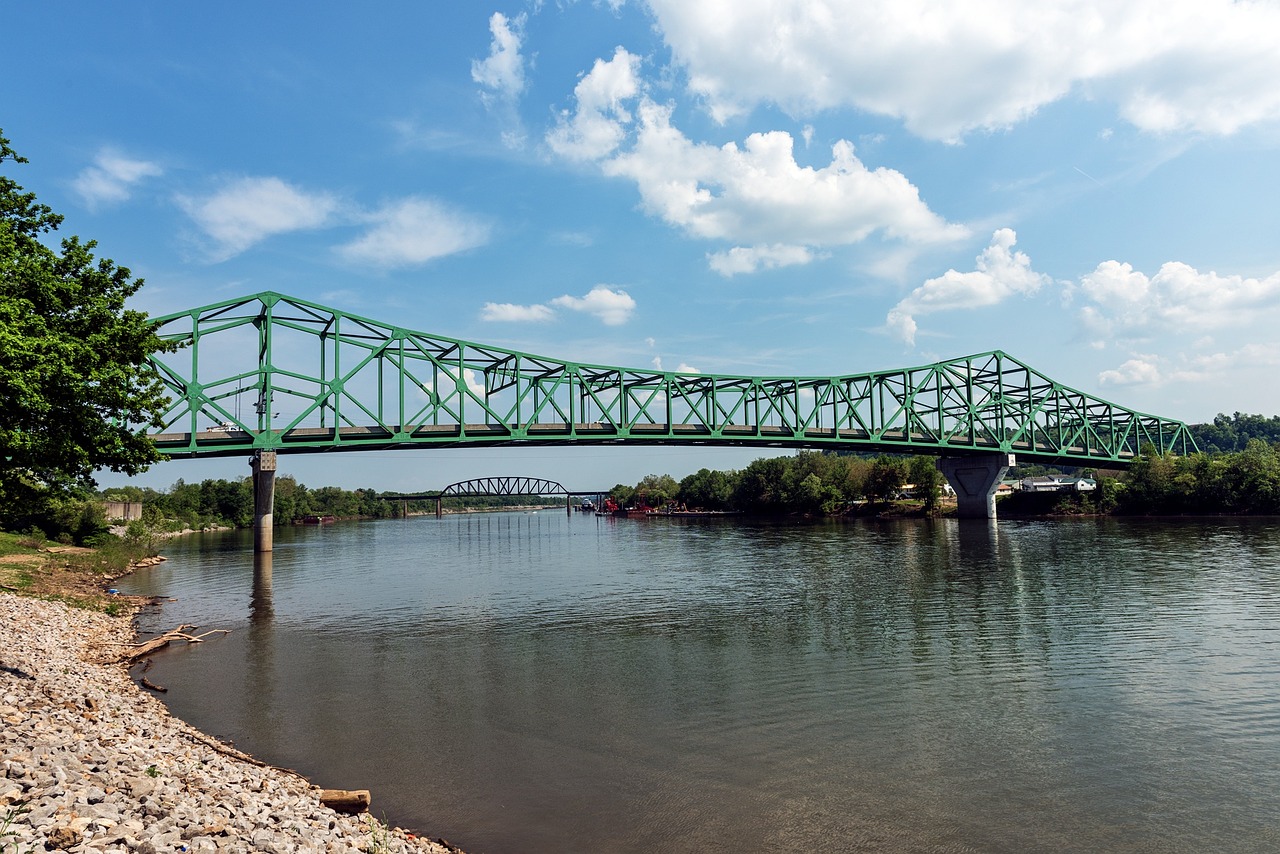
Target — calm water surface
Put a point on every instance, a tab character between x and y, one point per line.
533	683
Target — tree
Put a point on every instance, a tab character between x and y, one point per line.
76	390
886	478
706	490
655	490
927	480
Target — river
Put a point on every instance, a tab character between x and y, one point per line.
531	682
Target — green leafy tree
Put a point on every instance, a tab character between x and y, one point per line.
887	477
762	486
706	490
655	490
923	473
76	390
622	494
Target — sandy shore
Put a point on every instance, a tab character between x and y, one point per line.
90	762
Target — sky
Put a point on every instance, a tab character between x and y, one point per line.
763	187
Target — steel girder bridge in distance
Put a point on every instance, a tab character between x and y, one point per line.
268	374
495	487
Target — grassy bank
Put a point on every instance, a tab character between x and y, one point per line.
33	566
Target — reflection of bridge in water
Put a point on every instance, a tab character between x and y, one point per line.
270	374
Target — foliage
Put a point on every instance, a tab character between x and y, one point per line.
1230	433
706	490
229	503
1246	481
76	389
927	480
622	494
887	477
655	490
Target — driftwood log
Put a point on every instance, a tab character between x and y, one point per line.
145	648
343	800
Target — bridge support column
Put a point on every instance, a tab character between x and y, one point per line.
975	480
264	499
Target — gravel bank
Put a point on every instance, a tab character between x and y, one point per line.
89	762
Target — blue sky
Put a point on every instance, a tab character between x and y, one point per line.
801	187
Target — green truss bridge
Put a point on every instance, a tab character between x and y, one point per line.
269	373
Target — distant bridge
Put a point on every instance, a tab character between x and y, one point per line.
270	374
495	487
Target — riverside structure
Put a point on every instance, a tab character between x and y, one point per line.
269	374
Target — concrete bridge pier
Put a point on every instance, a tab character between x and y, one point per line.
975	480
264	498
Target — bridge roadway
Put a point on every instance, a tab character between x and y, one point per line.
224	443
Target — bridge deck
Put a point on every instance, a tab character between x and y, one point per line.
312	439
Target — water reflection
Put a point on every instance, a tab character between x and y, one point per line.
260	608
530	683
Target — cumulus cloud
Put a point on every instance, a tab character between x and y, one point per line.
612	308
756	195
510	313
246	211
413	231
597	125
947	69
999	273
111	178
1154	370
1138	371
1178	298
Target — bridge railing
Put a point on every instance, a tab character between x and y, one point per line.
280	373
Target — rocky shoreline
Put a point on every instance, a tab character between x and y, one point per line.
91	763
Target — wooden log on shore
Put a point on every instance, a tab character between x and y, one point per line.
180	633
344	800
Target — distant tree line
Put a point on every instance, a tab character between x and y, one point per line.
1227	433
811	482
1245	481
229	503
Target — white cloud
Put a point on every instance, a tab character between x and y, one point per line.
1153	370
246	211
511	313
613	308
759	194
111	178
682	368
1000	273
502	72
597	126
413	231
1140	371
1178	298
473	382
749	259
755	195
946	69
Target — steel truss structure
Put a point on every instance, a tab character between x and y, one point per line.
272	372
497	487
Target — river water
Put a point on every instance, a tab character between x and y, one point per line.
528	682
